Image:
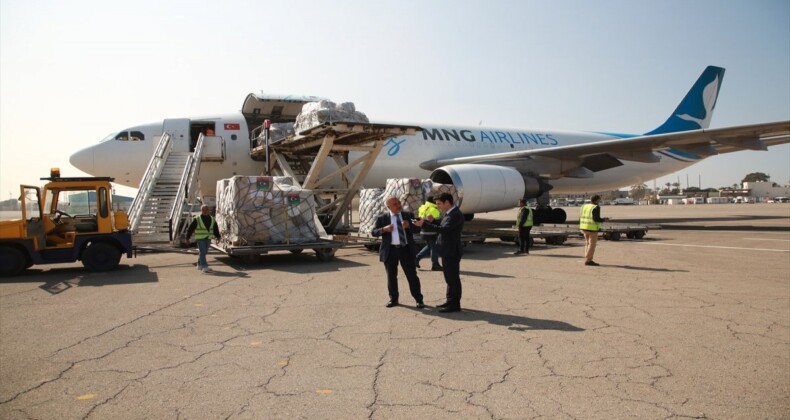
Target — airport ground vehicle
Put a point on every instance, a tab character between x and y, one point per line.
70	219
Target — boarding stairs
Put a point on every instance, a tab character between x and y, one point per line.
166	194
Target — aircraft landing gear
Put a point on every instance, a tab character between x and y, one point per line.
543	213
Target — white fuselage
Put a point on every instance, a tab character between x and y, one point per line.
126	160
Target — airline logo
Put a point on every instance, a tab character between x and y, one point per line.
394	146
709	95
229	126
483	136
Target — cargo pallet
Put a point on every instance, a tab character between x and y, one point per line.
557	234
610	231
324	249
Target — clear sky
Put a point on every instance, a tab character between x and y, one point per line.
73	71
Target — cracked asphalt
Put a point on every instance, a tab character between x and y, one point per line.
691	322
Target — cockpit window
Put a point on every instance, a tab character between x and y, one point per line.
110	137
125	135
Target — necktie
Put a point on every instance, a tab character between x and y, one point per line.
401	231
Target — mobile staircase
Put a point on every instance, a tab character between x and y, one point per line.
164	200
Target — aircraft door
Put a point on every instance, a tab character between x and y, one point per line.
178	128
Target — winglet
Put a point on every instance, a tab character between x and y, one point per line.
696	109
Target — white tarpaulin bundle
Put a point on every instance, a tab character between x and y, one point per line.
264	210
412	194
439	189
371	205
279	131
317	113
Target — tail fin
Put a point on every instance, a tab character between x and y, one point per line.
696	109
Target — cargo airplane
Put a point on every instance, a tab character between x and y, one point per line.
491	167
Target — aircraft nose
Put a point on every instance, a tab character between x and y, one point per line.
83	160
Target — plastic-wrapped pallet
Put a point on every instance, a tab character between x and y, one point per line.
412	193
279	131
317	113
370	206
264	210
222	185
439	189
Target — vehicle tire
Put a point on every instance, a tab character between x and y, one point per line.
479	241
296	251
558	216
469	216
630	235
373	247
614	236
639	234
100	256
12	261
324	254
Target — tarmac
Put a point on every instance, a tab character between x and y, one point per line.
693	321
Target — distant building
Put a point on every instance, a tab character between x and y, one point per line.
671	199
763	191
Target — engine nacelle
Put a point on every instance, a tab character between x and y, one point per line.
483	188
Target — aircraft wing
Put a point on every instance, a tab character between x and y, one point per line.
601	155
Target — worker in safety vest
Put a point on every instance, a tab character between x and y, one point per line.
204	227
524	223
429	209
590	223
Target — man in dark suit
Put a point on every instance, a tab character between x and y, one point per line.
450	248
397	246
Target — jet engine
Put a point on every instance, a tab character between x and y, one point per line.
483	188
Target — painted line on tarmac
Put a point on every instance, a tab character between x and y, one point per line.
719	247
764	239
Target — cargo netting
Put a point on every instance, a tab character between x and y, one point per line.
259	210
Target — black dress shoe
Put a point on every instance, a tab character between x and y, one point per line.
447	309
420	305
443	305
392	303
436	268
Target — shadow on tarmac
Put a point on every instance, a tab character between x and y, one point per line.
485	275
631	267
305	263
513	322
57	280
627	267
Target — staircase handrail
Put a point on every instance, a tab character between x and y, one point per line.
149	180
187	190
194	175
174	218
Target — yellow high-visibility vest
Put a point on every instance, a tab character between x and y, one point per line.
586	221
200	231
528	222
428	209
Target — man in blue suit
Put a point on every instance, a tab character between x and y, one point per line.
450	248
397	246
